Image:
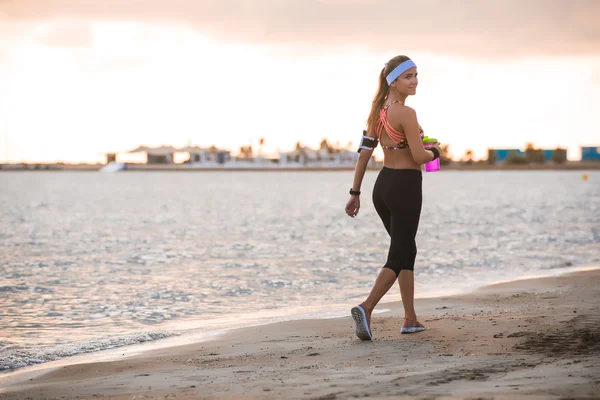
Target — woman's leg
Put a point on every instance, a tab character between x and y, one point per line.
383	283
409	225
401	258
406	281
400	264
386	277
405	216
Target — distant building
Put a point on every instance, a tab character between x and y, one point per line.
590	153
210	155
197	155
556	155
325	155
300	155
548	154
111	157
157	155
502	154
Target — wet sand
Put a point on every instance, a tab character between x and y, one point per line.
533	339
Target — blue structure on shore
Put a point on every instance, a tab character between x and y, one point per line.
502	154
590	153
548	154
538	155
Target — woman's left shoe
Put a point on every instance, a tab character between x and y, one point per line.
411	326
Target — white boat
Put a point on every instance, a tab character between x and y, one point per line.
114	166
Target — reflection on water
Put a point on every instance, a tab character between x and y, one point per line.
138	256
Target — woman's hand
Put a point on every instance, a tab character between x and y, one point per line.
353	206
434	145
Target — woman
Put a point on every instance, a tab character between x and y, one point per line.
397	192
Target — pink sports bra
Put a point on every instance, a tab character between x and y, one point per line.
398	137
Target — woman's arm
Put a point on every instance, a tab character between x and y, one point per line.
360	168
365	152
367	145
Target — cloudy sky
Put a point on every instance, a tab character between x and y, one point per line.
82	77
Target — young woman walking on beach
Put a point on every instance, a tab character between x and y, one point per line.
397	194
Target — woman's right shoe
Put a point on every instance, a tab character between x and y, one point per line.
363	330
411	326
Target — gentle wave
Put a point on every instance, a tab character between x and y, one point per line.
19	358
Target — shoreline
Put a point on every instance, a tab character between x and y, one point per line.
278	348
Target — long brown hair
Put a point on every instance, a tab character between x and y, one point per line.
382	91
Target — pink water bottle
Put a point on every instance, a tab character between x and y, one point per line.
434	165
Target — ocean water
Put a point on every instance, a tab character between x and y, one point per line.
92	261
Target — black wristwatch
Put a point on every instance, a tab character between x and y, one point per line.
355	192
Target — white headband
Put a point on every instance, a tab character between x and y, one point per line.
399	70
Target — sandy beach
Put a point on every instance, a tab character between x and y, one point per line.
534	339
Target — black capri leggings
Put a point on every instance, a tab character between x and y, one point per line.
397	196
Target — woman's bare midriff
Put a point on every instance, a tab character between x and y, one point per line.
399	159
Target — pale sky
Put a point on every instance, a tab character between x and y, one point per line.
81	78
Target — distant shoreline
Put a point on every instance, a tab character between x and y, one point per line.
52	167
